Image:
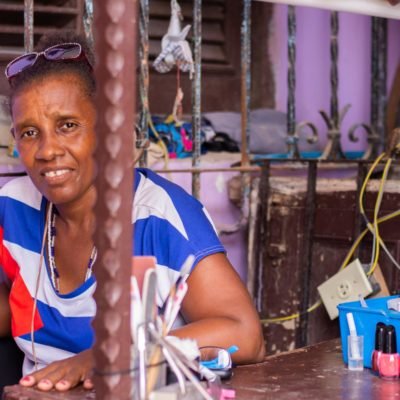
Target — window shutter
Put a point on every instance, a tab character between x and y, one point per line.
48	16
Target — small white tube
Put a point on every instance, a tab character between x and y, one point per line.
351	323
353	340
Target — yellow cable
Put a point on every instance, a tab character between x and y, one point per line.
364	185
344	264
369	228
376	211
293	316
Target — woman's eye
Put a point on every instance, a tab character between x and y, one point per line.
28	134
68	125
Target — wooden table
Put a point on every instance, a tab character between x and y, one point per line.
312	373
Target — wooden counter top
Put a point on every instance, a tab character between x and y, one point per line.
312	373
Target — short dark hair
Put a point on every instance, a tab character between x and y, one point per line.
43	67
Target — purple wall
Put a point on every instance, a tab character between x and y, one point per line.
214	196
313	65
312	95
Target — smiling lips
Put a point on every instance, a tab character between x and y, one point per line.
56	175
59	172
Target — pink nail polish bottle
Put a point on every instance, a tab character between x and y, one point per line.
380	338
389	360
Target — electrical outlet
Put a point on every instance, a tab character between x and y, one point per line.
343	287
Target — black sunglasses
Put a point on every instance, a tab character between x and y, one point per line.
59	52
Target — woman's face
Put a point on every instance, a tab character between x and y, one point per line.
53	124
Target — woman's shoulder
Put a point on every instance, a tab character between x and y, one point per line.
21	190
152	188
162	199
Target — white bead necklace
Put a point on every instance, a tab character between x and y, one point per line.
51	238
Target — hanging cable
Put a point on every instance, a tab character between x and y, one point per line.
371	228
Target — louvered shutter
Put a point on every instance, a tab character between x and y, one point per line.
48	16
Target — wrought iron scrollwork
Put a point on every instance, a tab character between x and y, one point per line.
314	131
373	139
333	149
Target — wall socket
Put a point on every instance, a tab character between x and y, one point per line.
347	285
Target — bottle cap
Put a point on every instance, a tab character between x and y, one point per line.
390	345
380	336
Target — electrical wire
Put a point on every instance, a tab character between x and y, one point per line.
376	212
361	204
290	317
372	228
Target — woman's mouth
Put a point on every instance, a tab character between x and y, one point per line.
56	176
52	174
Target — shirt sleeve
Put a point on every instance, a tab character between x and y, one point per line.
171	225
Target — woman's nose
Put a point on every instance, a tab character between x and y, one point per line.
49	147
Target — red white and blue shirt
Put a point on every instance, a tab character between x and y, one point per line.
168	224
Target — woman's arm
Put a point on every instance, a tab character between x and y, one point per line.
219	310
5	314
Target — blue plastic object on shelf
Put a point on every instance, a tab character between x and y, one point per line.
365	319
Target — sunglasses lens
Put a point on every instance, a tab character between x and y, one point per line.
20	64
66	51
59	52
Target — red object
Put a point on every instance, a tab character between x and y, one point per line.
226	394
389	360
140	264
389	366
376	355
380	344
394	2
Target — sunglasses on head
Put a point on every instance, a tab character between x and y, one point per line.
59	52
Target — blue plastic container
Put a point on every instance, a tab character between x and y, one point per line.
366	320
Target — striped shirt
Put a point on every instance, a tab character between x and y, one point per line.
168	224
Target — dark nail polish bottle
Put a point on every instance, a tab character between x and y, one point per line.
380	339
389	359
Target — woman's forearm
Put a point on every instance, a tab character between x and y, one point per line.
225	332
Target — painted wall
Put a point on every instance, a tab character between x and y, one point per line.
313	65
313	92
214	196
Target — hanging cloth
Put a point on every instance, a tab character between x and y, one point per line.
175	49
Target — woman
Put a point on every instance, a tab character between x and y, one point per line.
53	114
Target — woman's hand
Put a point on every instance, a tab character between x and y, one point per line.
63	375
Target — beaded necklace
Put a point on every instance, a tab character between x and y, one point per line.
51	238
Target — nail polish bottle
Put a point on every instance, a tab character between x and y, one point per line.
380	338
389	359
